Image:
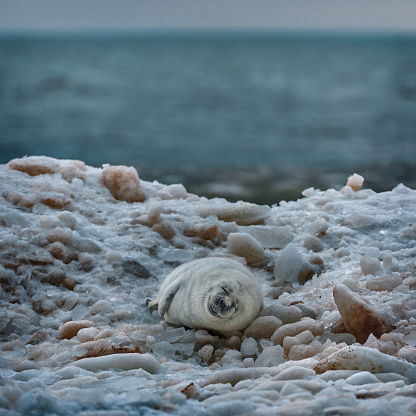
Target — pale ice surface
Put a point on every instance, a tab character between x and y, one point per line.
71	251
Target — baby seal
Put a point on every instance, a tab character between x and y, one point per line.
211	293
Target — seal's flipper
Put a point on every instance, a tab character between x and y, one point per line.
152	304
165	303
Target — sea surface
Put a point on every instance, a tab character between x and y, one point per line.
247	116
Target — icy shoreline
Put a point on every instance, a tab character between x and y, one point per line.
82	249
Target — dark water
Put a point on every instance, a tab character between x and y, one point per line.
256	117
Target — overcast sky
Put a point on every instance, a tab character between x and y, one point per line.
119	15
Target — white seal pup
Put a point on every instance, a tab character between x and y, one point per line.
211	293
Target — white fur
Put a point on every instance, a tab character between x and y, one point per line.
190	285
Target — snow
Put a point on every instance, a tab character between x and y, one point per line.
83	248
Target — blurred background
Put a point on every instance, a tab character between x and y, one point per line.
253	100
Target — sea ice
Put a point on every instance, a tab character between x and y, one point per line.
79	258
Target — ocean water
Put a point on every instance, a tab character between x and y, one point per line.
256	117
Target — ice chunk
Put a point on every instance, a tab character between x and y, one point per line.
291	267
364	359
319	227
243	213
287	314
164	349
128	361
87	334
205	353
369	265
123	182
296	328
61	235
34	165
244	245
80	312
263	327
270	236
365	377
68	219
360	318
295	373
71	328
270	356
384	283
170	335
185	349
355	182
249	347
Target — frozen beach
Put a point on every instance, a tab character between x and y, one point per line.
82	248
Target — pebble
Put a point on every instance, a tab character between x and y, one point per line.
263	327
245	245
71	328
360	318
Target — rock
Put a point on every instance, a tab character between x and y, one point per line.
71	328
128	361
369	265
245	245
263	327
296	328
360	318
384	283
123	182
292	267
364	359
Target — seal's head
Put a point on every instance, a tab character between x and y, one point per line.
222	303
